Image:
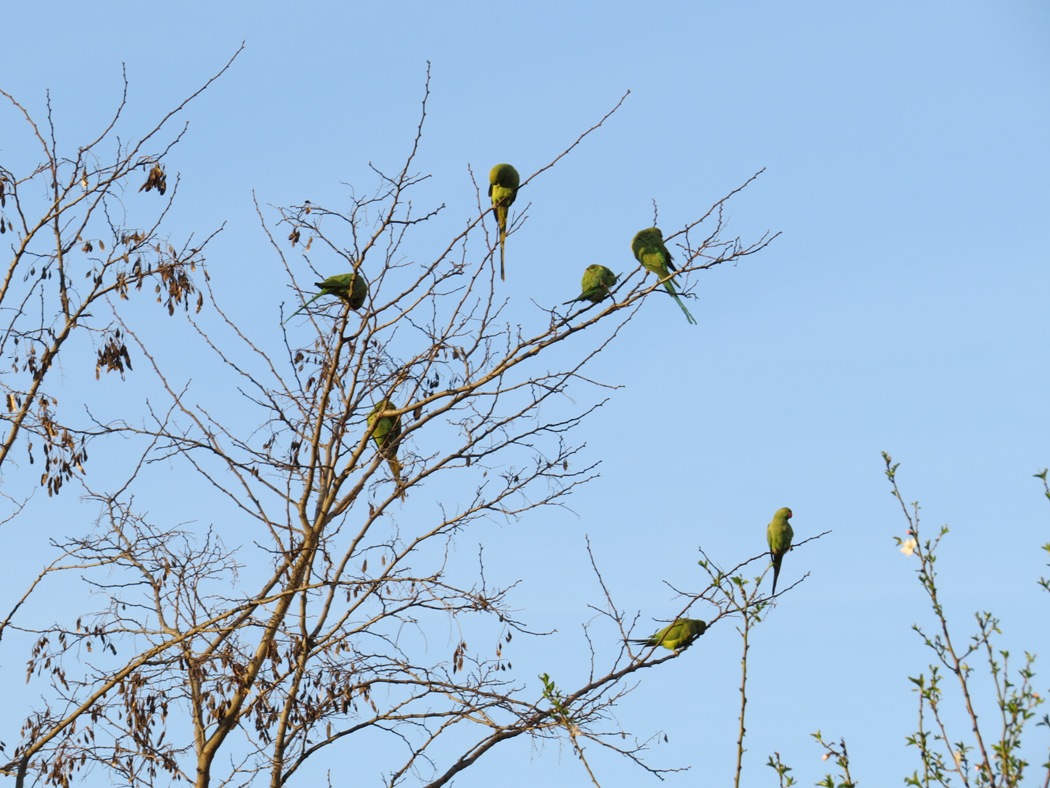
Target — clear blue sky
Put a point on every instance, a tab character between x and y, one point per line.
904	307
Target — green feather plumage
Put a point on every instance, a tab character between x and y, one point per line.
503	188
596	283
386	432
676	636
350	287
779	535
649	249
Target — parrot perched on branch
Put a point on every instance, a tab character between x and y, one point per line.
503	188
779	534
387	435
597	280
350	287
649	250
677	636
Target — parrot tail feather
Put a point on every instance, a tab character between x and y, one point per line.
688	316
395	469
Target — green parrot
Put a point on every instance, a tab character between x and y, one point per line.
597	280
350	287
677	636
779	534
649	250
503	188
387	435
